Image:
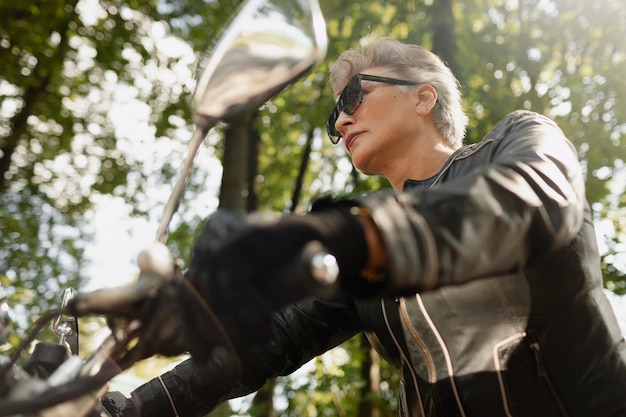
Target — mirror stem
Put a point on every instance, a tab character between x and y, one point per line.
198	136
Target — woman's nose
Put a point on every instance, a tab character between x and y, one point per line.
344	119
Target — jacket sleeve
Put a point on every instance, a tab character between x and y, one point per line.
519	196
297	334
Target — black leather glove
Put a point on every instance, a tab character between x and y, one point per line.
252	274
242	270
203	330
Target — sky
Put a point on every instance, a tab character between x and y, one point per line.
619	306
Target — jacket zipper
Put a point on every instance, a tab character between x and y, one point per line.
543	374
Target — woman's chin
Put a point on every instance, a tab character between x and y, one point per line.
364	169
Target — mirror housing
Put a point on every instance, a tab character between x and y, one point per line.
268	45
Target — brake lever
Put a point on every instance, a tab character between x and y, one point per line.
65	326
157	269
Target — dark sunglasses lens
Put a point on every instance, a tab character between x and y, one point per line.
349	100
333	133
351	95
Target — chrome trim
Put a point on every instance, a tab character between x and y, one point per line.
405	360
432	374
444	349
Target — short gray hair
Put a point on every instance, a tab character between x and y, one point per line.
412	63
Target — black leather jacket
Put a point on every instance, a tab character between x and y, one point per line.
494	305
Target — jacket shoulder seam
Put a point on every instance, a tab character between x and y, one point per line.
472	149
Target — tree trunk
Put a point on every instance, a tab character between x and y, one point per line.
263	401
235	187
254	143
304	164
444	41
238	193
370	373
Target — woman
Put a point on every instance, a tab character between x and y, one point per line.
478	276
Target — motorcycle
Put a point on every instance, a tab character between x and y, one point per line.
268	45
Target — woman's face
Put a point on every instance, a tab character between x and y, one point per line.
382	128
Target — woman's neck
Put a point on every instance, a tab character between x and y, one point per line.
420	163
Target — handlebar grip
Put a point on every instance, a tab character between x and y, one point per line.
314	272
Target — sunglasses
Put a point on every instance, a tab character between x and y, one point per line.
350	99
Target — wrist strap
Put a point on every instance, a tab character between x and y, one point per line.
369	273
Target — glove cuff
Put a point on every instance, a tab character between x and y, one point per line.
358	278
413	261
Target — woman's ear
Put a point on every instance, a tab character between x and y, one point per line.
426	99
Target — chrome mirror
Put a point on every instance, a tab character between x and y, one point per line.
268	45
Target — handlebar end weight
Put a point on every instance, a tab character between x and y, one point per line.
321	269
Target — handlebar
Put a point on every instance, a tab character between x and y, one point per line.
76	385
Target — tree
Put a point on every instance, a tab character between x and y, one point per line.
69	72
59	146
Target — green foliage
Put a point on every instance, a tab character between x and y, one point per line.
330	385
61	67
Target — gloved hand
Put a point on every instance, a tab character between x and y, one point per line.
242	270
239	275
250	275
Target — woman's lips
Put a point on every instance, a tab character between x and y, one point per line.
350	138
